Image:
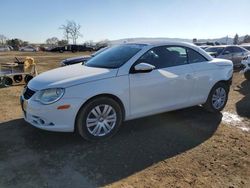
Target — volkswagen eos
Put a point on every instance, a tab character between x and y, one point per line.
125	82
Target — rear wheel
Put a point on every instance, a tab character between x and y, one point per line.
99	119
217	98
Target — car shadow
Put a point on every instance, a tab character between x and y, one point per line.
57	159
243	106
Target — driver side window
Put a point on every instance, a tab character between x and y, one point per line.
165	56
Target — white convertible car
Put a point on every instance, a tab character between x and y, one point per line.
123	83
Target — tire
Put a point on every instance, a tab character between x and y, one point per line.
7	81
27	78
110	121
213	97
247	74
18	78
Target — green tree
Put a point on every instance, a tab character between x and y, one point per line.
246	39
236	39
15	43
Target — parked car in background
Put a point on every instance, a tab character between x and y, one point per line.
80	59
28	49
71	48
4	48
60	49
204	47
74	60
78	48
125	82
246	67
10	47
230	52
246	46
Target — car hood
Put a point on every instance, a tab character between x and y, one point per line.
69	76
222	62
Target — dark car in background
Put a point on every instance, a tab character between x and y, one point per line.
80	59
57	49
72	48
78	48
74	60
230	52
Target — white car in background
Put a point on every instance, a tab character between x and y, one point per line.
246	64
126	82
28	49
4	49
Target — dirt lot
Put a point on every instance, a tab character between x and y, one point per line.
184	148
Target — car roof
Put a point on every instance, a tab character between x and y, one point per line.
245	44
224	46
159	43
174	43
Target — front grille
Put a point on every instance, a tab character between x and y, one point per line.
28	93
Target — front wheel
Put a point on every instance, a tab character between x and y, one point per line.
99	119
217	98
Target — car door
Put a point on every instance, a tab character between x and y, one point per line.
227	53
167	87
203	76
238	55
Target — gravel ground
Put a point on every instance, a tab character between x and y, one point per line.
184	148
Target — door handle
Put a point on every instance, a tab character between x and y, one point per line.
188	76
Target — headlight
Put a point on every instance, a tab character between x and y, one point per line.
49	96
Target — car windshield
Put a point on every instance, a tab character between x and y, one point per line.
114	57
218	50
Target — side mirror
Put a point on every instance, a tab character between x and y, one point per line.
143	68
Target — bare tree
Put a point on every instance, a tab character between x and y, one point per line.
71	30
66	30
52	41
62	42
3	39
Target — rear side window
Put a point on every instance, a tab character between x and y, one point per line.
237	50
229	50
195	57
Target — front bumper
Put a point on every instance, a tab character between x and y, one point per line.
48	117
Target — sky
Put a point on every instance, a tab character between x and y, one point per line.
37	20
